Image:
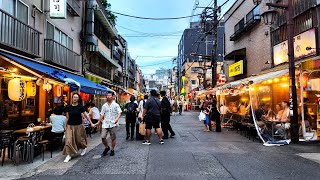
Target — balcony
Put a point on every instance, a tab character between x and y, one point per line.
73	7
18	37
103	72
116	80
102	15
116	55
60	55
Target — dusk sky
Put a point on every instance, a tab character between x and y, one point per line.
140	34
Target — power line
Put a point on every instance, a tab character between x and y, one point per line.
168	35
155	64
152	18
145	33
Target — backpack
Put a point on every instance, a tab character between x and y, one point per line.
131	108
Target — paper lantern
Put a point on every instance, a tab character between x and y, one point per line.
84	96
40	82
47	87
31	88
17	89
57	91
66	89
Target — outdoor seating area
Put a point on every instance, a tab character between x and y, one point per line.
23	145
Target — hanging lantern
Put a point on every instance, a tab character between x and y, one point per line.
31	89
84	96
40	82
66	89
57	91
17	89
47	87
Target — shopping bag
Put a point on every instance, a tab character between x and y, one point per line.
142	129
202	116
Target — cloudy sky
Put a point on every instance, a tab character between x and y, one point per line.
154	43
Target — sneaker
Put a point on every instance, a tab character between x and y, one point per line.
146	142
164	137
127	137
172	135
112	153
161	141
68	158
83	151
105	151
132	139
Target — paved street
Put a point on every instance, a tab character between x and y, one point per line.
193	154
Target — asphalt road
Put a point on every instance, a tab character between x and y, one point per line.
193	155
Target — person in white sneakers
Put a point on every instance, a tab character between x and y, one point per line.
109	116
76	138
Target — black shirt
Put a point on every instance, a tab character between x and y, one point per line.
75	117
166	106
134	105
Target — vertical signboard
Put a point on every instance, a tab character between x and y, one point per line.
58	9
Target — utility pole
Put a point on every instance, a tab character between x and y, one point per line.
215	25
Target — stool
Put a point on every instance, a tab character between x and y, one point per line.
6	143
44	143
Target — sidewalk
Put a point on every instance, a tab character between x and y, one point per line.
54	165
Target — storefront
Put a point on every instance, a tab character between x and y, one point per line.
30	90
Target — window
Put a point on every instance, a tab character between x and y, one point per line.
15	8
238	27
253	15
59	36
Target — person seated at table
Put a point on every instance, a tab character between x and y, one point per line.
242	109
58	122
279	111
260	113
284	119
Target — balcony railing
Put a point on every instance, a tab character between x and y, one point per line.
18	35
73	7
60	55
116	55
103	72
116	79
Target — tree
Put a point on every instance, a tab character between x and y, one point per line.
110	16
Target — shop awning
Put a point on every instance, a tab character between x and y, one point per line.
87	86
257	79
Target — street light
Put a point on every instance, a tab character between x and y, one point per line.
269	18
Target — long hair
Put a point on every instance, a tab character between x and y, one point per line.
80	99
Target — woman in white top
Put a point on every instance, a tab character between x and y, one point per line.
58	122
141	106
94	114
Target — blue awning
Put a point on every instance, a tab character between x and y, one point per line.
87	86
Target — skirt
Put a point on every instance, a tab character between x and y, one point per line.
76	139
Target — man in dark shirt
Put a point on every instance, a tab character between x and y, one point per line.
151	116
165	116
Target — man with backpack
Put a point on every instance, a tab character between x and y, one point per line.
131	109
165	116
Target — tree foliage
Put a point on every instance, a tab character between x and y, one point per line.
110	16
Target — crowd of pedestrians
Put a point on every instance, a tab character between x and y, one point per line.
212	113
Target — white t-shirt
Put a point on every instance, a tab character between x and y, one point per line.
224	110
141	107
110	113
58	122
94	112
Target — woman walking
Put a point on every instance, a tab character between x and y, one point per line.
76	138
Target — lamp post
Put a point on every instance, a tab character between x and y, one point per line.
269	18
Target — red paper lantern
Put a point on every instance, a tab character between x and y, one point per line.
66	89
84	96
57	91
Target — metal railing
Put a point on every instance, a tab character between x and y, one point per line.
103	72
75	7
19	35
57	53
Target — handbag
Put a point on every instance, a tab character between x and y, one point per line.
202	116
142	129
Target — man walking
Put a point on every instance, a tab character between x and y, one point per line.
131	109
151	116
110	115
165	116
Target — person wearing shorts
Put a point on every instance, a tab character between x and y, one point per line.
109	116
151	116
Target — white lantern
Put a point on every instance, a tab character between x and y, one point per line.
31	88
17	89
47	87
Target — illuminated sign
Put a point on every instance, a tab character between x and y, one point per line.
301	42
236	69
58	9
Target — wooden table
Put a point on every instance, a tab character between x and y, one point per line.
35	129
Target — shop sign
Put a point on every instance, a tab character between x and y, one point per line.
301	42
311	64
236	69
58	9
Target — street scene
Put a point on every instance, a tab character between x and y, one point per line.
183	89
